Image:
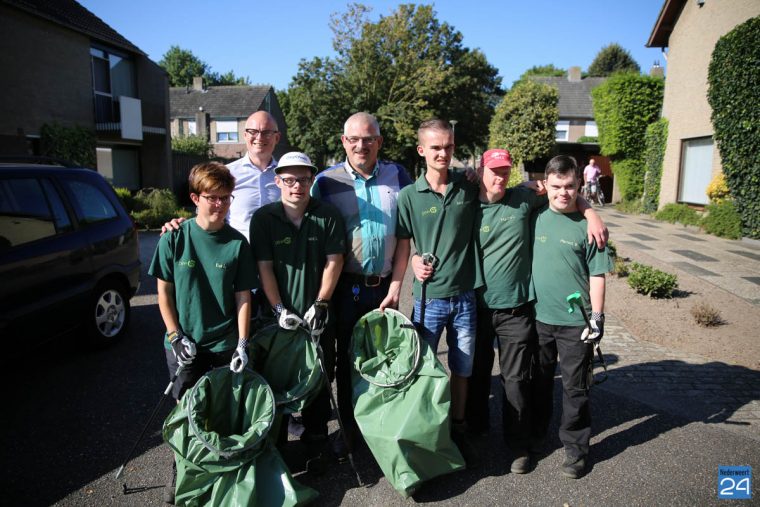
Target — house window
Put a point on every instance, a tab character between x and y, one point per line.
113	76
591	129
696	170
191	128
562	131
227	131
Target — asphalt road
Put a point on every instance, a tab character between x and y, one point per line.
72	414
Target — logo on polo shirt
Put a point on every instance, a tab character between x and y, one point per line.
221	265
486	229
313	238
189	264
573	244
431	211
542	238
283	241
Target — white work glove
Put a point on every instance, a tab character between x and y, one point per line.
287	319
182	347
316	317
239	357
594	333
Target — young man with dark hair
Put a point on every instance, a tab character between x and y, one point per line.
565	262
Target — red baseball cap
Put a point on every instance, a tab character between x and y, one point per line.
496	158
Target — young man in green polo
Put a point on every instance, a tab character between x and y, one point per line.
565	262
299	244
438	213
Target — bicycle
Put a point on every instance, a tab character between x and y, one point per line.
594	191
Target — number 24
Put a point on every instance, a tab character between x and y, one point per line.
742	485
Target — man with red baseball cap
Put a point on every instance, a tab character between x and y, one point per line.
505	303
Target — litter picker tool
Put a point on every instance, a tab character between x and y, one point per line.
574	299
321	358
147	424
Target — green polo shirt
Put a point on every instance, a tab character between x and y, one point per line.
206	268
299	254
420	210
563	261
505	243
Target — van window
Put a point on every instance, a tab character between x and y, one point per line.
93	205
25	213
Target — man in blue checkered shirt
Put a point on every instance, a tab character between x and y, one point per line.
365	190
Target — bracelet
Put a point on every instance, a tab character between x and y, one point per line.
323	303
172	336
597	316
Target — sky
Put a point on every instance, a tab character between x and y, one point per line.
266	40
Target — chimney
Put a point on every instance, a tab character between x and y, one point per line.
656	70
574	74
198	83
201	122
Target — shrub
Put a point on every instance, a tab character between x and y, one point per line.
620	267
650	281
656	138
632	207
154	207
624	105
612	249
717	190
733	91
629	174
125	196
706	315
192	145
588	139
73	144
678	213
723	220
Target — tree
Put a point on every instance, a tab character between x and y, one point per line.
182	66
525	121
611	59
543	70
404	68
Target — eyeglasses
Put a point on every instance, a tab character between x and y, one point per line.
289	182
262	133
369	141
216	199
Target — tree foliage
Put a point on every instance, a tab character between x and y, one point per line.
182	66
629	175
543	70
72	144
611	59
525	121
624	105
733	91
192	145
403	68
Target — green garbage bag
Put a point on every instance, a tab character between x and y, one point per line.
218	433
288	361
401	401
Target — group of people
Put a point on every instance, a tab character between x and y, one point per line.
493	263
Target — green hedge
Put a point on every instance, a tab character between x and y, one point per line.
733	91
155	206
73	144
629	174
678	213
655	138
723	220
624	105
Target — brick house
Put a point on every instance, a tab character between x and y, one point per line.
62	64
690	30
219	113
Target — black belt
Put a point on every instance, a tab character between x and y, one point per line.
517	310
365	280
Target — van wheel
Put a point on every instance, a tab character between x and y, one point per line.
109	313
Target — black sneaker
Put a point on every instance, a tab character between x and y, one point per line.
574	467
521	464
171	486
339	447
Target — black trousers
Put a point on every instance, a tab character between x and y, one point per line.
575	359
351	300
514	332
204	362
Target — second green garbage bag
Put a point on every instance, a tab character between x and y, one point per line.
218	433
401	401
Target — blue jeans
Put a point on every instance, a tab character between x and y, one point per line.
456	314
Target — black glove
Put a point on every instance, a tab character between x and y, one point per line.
182	347
316	317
